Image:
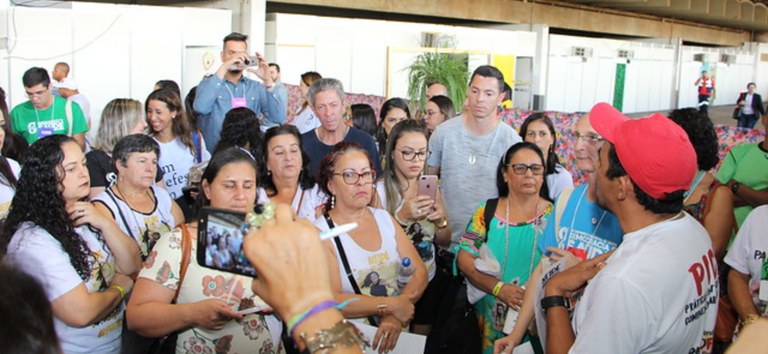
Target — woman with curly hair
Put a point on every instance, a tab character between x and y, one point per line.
77	252
285	176
378	245
240	129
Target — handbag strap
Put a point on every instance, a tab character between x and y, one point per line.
186	250
490	208
198	152
345	262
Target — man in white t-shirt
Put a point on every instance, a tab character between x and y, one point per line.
658	291
466	151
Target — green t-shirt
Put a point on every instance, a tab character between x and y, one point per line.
34	124
748	164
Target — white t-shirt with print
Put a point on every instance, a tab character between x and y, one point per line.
175	161
36	252
657	294
747	253
6	191
255	333
374	271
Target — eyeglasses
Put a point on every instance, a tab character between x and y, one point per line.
589	138
521	169
410	155
36	94
352	177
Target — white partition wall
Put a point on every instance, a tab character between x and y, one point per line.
114	50
361	53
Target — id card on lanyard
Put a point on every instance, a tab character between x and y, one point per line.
763	292
236	102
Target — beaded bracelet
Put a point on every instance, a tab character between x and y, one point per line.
497	288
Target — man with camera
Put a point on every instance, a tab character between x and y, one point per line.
228	88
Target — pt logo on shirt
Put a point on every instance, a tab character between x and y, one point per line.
704	270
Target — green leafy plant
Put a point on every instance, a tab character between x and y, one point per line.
448	69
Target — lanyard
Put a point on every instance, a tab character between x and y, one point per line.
230	91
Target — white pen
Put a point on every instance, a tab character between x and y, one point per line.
338	230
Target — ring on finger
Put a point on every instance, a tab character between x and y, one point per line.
80	212
386	334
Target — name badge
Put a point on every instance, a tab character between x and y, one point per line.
763	294
238	102
44	131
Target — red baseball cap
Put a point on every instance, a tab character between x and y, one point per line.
654	150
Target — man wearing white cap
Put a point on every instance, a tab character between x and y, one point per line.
658	291
68	89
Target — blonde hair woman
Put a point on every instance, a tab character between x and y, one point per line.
121	117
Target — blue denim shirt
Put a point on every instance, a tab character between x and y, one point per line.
214	100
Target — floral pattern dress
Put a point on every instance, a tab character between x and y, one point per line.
522	255
255	333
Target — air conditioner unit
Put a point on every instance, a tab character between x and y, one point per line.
581	52
626	54
702	57
728	58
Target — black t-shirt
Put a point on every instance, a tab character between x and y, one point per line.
102	171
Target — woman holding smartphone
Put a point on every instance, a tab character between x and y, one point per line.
421	215
205	311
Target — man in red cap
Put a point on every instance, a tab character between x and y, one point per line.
657	292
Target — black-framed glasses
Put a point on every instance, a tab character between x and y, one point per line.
521	168
352	177
588	138
410	155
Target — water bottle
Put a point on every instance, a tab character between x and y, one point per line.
404	273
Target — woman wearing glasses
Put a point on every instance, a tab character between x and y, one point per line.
520	215
540	130
364	261
422	217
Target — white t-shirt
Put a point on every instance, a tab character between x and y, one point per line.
468	166
175	161
657	294
558	181
145	228
306	120
747	253
311	200
36	252
6	191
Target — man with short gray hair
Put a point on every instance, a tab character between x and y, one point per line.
326	97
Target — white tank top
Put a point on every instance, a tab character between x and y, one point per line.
374	271
144	228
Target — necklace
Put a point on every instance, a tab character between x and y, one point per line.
533	245
576	212
473	154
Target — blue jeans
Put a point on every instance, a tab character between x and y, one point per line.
747	121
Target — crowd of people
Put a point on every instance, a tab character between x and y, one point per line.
644	257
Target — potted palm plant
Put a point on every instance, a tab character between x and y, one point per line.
448	69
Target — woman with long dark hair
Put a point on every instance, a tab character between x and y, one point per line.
393	111
285	177
77	252
181	147
205	311
540	130
13	146
422	217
